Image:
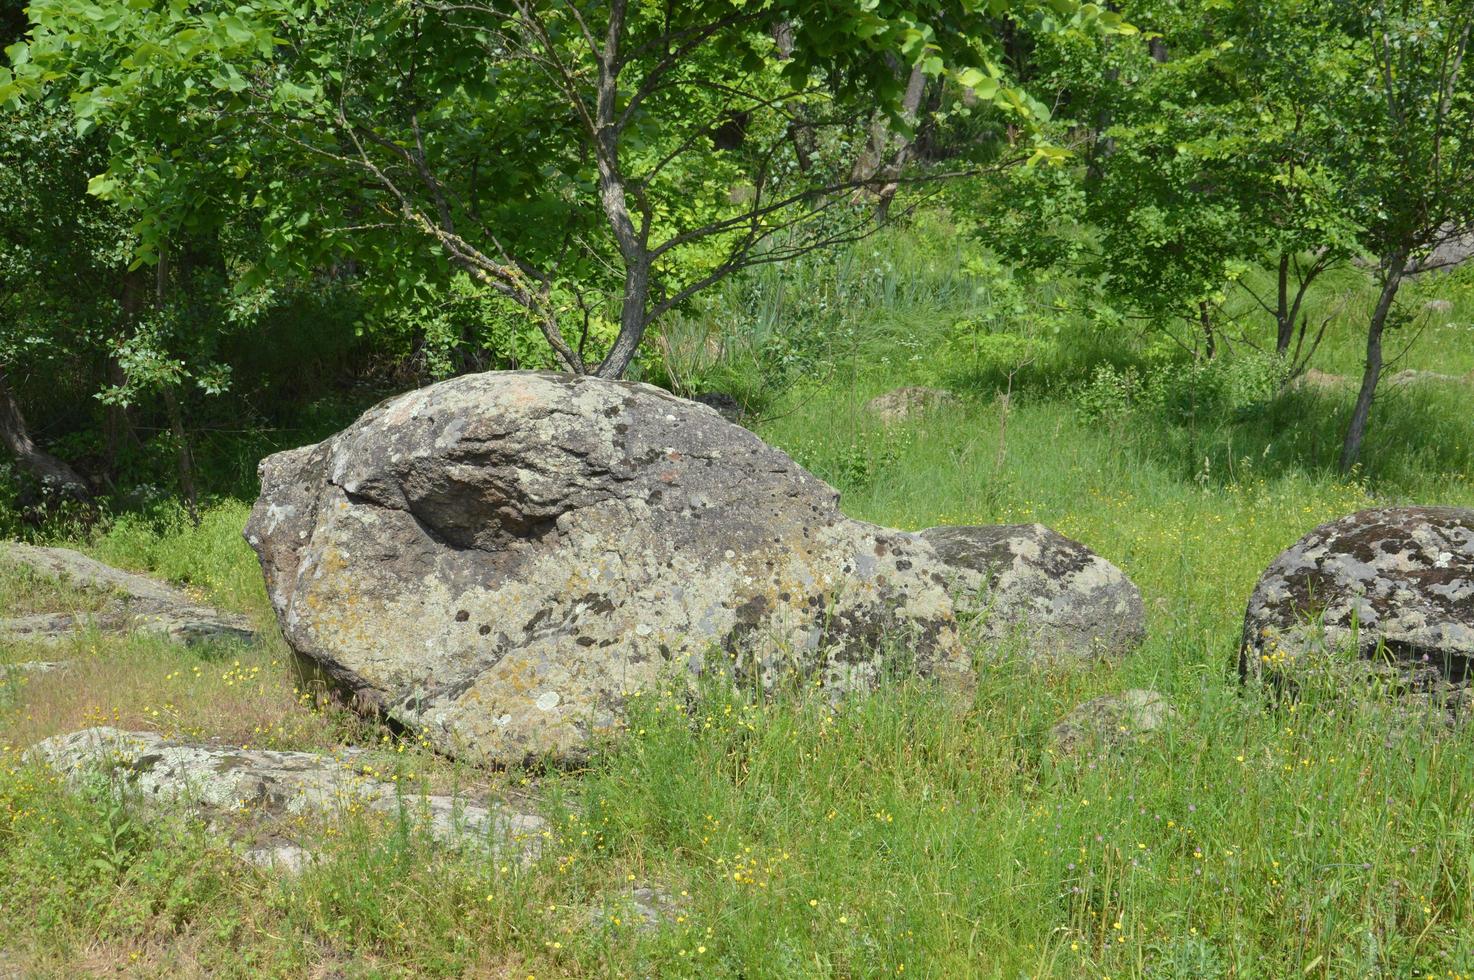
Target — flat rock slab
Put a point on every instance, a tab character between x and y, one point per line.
218	780
1395	580
498	561
1028	584
137	602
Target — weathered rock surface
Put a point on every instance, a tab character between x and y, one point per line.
1396	578
219	780
136	602
1027	583
908	403
1112	721
498	560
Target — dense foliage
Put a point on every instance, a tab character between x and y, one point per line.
221	214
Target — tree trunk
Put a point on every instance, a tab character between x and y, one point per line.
872	163
185	457
633	309
1207	323
1284	321
55	476
910	107
1356	430
117	426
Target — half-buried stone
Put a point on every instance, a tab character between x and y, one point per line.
1398	581
1026	586
500	560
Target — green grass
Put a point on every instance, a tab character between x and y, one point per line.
906	833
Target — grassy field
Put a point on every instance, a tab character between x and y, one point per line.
904	834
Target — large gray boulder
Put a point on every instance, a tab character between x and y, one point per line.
1026	584
1396	578
500	560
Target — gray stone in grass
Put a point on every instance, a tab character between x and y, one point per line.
1411	377
1322	381
1394	580
227	781
285	859
1438	306
1112	721
137	602
36	667
651	907
498	561
1027	583
905	404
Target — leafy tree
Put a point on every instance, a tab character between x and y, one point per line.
1203	143
1410	167
597	164
60	253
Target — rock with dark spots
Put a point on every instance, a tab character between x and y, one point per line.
500	560
1399	580
904	404
1112	721
1028	584
217	781
133	602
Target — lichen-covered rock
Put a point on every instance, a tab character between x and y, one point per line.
904	404
133	602
165	774
1112	721
1396	578
1029	584
498	561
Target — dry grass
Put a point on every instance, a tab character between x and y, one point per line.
23	592
235	692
